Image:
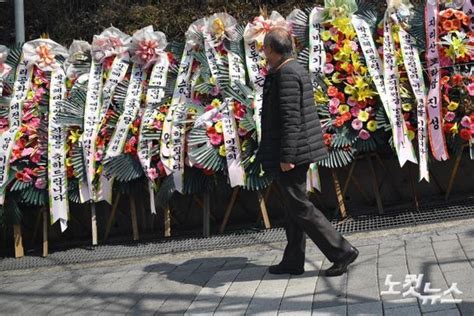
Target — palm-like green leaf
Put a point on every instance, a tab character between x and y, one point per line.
125	168
337	158
368	10
33	196
71	111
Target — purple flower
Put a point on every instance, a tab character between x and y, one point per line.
355	112
334	102
357	124
363	134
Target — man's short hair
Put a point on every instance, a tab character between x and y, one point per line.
280	41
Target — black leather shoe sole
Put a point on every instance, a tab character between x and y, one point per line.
337	270
284	270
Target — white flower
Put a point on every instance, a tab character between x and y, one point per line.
147	46
43	53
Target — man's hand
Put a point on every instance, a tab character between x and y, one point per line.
286	166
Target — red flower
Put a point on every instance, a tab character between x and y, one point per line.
447	127
457	79
328	57
208	172
327	139
341	96
465	134
339	121
346	116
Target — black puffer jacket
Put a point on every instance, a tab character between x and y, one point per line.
291	130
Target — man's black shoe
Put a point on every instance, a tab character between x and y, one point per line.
283	269
339	268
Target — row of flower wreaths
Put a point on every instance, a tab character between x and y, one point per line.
77	124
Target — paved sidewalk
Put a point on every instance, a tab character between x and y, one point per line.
236	281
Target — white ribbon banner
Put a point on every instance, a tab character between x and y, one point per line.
374	65
57	170
312	178
433	101
131	107
173	135
7	138
154	95
232	147
236	69
411	59
257	80
317	55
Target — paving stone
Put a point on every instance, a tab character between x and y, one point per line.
405	311
449	312
299	293
331	311
444	237
398	302
268	294
373	308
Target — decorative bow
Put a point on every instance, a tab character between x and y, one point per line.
147	46
259	27
194	34
222	26
111	42
4	68
79	54
43	53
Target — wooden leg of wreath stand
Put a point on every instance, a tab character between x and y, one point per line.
111	218
413	187
340	197
263	209
375	185
167	221
206	218
133	213
45	232
230	206
265	199
390	176
350	177
94	225
18	239
454	173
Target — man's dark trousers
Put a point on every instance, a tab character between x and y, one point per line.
303	217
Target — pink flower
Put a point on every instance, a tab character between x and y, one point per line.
445	61
36	157
208	107
27	152
263	71
354	46
333	109
216	139
449	117
217	117
35	123
470	89
334	102
40	184
328	68
242	132
158	124
466	121
152	174
363	134
356	124
132	141
99	155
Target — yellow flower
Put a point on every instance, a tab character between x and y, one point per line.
360	83
222	150
335	78
406	107
372	125
320	97
344	25
99	170
30	94
348	89
213	80
218	127
452	106
160	117
364	94
74	136
344	54
411	134
215	103
343	108
455	128
133	129
68	162
363	116
326	35
218	27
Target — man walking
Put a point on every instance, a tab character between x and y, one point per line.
291	140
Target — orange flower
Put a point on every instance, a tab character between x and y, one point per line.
447	25
332	91
466	20
459	15
447	13
456	24
444	80
457	80
338	122
346	116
